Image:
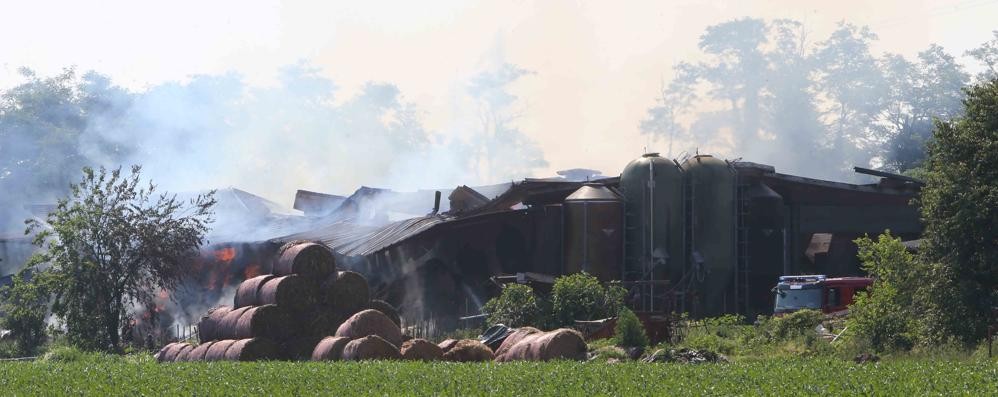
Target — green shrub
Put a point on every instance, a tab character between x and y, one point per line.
886	316
581	296
798	323
26	303
515	307
629	331
64	353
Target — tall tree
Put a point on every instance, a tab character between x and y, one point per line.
110	245
502	150
853	87
987	55
736	61
665	118
960	209
47	130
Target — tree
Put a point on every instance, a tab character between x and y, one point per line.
884	317
851	83
25	305
109	246
502	150
960	209
515	307
46	132
580	296
629	332
987	55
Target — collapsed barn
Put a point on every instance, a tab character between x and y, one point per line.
704	236
701	235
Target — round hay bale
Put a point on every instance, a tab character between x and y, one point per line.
248	292
291	292
346	292
310	260
161	354
267	321
319	322
447	344
184	351
514	338
563	343
330	348
253	349
208	326
217	350
371	347
198	353
371	322
300	348
228	326
422	350
173	351
386	309
468	350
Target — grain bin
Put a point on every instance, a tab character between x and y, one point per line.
652	187
594	225
712	197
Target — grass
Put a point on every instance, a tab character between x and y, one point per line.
138	375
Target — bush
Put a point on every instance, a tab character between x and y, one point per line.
629	331
580	296
798	323
886	316
26	303
515	307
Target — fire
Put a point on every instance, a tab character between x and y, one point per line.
225	255
251	271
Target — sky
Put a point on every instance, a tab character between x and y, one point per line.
597	65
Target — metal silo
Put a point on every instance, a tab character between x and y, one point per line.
711	194
652	187
594	226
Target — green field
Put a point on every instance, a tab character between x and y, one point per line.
116	376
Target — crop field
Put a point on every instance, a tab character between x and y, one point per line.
117	376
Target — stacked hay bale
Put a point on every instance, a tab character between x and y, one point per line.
287	315
533	345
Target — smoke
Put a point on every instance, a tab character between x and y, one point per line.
769	92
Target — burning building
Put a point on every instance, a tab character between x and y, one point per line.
702	235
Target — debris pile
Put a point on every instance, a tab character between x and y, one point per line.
685	356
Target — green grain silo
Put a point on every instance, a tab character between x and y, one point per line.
711	192
652	187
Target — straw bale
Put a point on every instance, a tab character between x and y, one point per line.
422	350
310	260
330	348
371	347
370	322
253	349
248	292
386	309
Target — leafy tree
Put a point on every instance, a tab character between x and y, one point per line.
629	332
109	246
46	132
987	55
886	315
501	149
581	296
960	208
852	85
25	304
517	306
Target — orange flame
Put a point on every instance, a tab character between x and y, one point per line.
225	255
251	271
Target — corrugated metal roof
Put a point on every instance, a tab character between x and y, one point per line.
351	239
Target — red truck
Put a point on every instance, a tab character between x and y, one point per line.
818	292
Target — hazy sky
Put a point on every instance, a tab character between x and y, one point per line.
598	65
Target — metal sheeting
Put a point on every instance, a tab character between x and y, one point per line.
351	239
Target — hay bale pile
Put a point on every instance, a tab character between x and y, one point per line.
293	313
565	344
